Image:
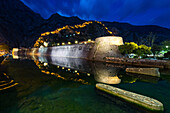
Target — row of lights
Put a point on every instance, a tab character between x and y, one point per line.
59	76
73	27
67	27
76	42
75	71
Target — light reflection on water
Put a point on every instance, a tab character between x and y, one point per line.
50	84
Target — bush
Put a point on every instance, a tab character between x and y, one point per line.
132	47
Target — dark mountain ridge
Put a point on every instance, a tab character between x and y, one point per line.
21	27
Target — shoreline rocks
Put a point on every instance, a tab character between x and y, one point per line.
140	100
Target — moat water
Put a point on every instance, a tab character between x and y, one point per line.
58	85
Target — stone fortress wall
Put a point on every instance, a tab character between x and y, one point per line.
98	51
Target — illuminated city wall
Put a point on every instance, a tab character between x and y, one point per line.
98	51
103	47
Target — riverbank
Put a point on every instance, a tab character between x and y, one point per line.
140	62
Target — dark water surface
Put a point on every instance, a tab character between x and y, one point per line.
58	85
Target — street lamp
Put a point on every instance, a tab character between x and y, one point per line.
76	42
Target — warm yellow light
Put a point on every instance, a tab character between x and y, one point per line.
85	42
89	40
58	66
52	32
43	34
63	43
47	72
69	42
78	74
78	33
45	44
45	64
47	33
58	44
88	74
62	67
76	42
52	73
75	71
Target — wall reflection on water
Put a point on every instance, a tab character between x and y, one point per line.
104	73
101	72
6	82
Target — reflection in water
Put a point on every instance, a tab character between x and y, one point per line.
5	81
143	78
38	92
105	73
101	72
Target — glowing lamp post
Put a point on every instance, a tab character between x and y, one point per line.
76	42
45	44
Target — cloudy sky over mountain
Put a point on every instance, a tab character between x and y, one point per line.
136	12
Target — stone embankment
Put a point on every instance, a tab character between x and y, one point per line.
140	62
140	100
145	71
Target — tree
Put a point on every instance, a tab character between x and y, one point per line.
150	39
166	45
128	48
132	47
156	49
142	50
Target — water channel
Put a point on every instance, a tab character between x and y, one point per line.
64	85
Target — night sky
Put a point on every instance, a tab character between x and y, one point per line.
136	12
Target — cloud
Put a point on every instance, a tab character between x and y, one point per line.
138	12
